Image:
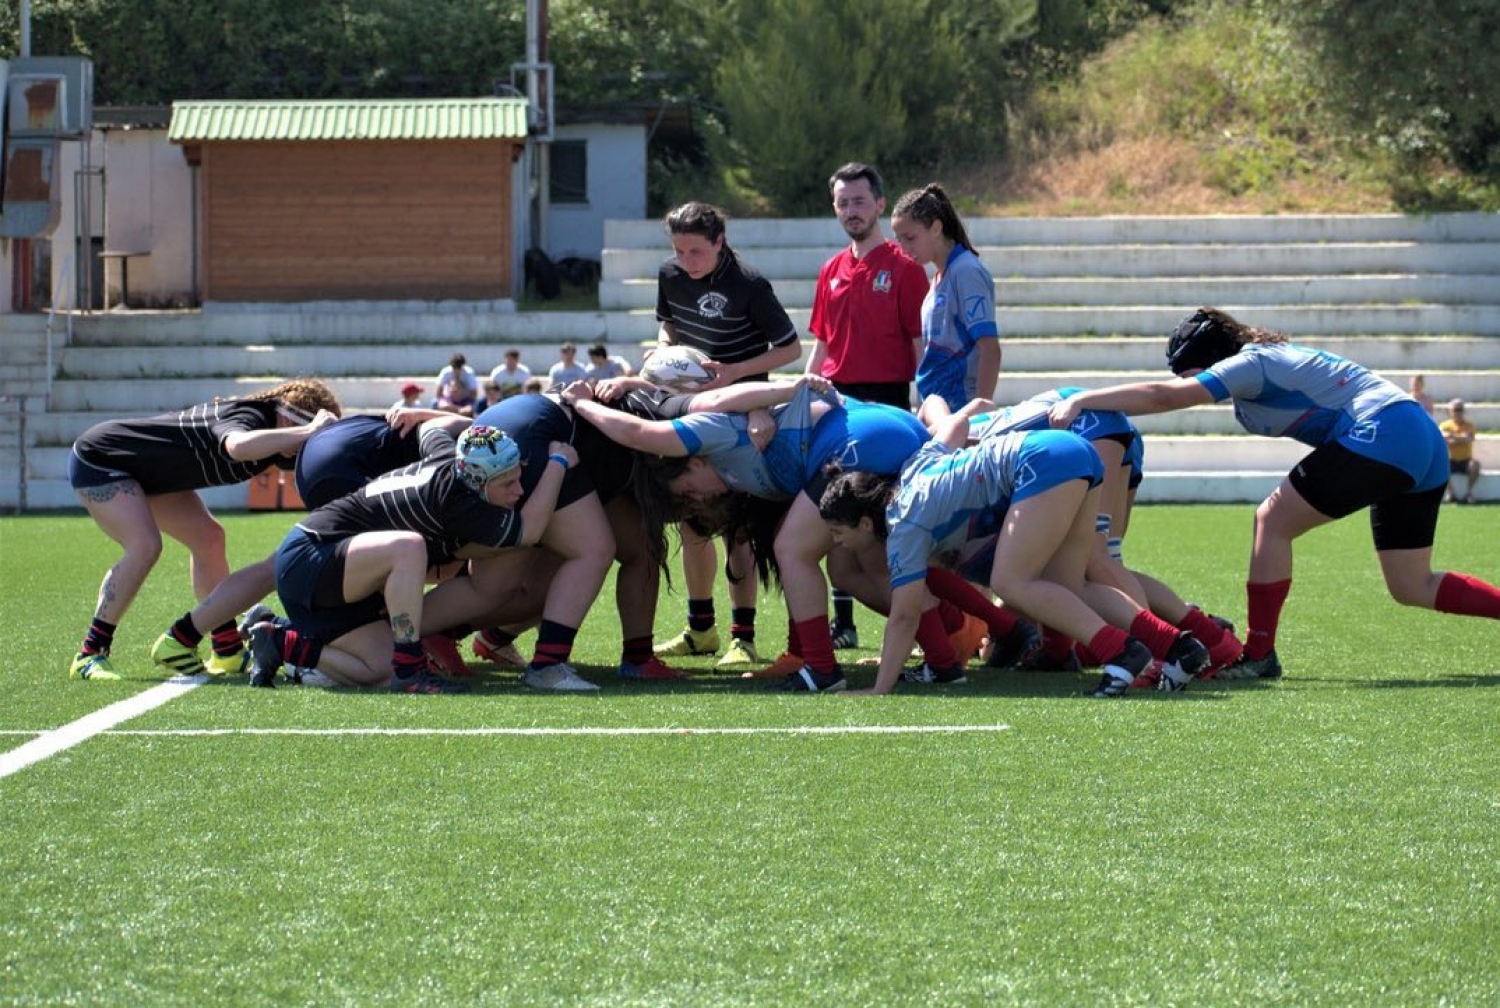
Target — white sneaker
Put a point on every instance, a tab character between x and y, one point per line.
556	677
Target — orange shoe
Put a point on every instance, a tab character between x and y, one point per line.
778	669
968	638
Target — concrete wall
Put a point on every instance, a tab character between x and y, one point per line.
616	189
149	207
77	199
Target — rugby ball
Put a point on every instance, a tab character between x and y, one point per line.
679	368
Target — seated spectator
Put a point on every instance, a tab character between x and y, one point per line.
602	366
411	394
1458	431
492	394
534	385
567	370
1418	391
512	375
457	387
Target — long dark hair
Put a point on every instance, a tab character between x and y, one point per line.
931	203
851	496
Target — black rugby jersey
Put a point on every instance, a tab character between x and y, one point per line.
184	450
428	498
732	314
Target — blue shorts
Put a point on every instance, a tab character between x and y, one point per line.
1404	436
1051	458
302	568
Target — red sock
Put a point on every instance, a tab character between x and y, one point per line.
1200	626
932	634
1156	633
950	614
1264	601
817	643
1464	595
1108	642
1056	644
950	587
793	640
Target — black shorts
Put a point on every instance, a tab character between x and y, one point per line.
1459	468
1338	482
897	394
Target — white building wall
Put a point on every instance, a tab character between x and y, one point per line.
149	208
616	189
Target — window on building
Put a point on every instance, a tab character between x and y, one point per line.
570	171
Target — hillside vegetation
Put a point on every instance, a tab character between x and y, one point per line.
1164	121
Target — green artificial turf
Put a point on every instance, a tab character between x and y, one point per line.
1329	839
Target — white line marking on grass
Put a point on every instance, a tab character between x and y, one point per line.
50	743
804	730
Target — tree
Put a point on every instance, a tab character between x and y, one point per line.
1421	78
811	85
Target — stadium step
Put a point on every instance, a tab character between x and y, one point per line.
1084	301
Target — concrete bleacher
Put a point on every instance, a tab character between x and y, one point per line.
1082	301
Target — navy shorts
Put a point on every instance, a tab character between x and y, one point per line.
1338	482
84	475
309	581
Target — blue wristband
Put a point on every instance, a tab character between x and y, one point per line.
560	460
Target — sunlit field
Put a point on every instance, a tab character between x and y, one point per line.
1329	839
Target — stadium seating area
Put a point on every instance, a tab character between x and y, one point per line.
1083	301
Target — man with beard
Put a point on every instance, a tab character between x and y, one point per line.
867	318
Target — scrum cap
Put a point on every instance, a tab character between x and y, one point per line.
1199	342
484	453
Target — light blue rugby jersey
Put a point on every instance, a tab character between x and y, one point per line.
724	440
1283	390
860	436
958	312
1031	414
948	500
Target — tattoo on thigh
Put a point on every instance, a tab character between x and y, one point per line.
108	492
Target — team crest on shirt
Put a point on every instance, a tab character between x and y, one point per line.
712	305
833	284
1364	432
882	283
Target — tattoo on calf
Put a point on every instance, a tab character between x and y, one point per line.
403	627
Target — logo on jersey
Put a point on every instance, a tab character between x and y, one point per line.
975	309
712	305
833	284
1364	433
882	284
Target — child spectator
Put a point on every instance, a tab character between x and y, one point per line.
411	394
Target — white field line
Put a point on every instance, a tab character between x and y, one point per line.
797	730
50	743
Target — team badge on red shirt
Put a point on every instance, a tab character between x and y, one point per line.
882	284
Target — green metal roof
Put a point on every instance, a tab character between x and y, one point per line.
350	119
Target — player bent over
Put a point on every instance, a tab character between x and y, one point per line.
1034	496
368	553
